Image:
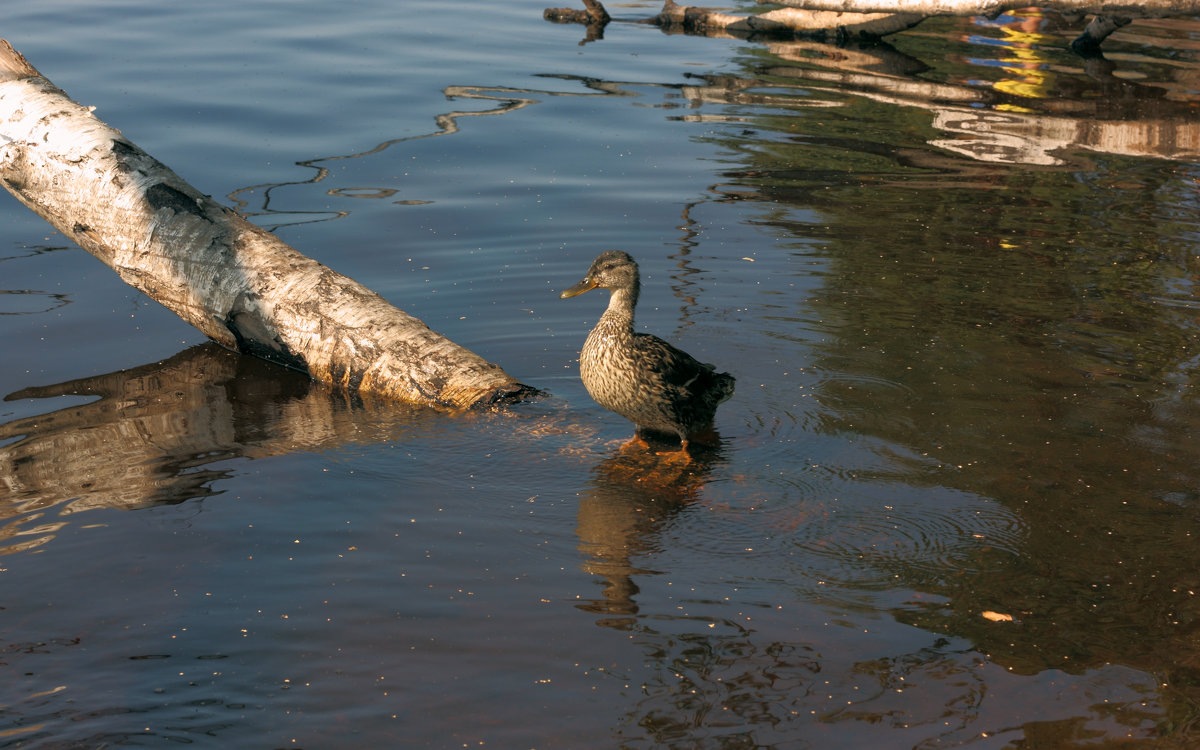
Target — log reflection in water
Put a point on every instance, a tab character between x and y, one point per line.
155	433
1020	119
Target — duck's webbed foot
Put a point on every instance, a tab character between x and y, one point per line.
681	455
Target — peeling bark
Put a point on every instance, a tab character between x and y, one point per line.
239	284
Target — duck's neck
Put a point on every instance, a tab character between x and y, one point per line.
619	314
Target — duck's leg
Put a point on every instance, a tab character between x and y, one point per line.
637	441
705	436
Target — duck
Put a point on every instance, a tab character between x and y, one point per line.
664	391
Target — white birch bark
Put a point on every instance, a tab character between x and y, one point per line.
239	284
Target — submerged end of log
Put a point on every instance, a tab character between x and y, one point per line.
594	17
502	395
1098	29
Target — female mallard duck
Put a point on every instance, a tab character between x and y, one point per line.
641	377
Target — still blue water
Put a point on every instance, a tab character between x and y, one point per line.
955	496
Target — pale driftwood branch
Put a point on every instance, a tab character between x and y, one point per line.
993	7
842	20
237	283
783	22
786	21
1110	15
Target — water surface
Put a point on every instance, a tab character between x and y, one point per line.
954	502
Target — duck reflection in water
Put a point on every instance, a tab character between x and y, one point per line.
631	497
662	390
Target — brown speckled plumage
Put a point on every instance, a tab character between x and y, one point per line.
639	376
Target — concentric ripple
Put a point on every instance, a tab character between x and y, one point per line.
913	537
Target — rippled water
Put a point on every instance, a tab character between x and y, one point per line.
955	497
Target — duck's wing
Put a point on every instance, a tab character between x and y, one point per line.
685	391
676	369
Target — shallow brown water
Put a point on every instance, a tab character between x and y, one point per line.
955	497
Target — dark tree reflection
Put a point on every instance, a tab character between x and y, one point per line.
1007	297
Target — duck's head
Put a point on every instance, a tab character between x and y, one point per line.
612	269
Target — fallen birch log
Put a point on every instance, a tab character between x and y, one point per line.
239	284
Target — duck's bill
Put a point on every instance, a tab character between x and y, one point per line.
578	289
